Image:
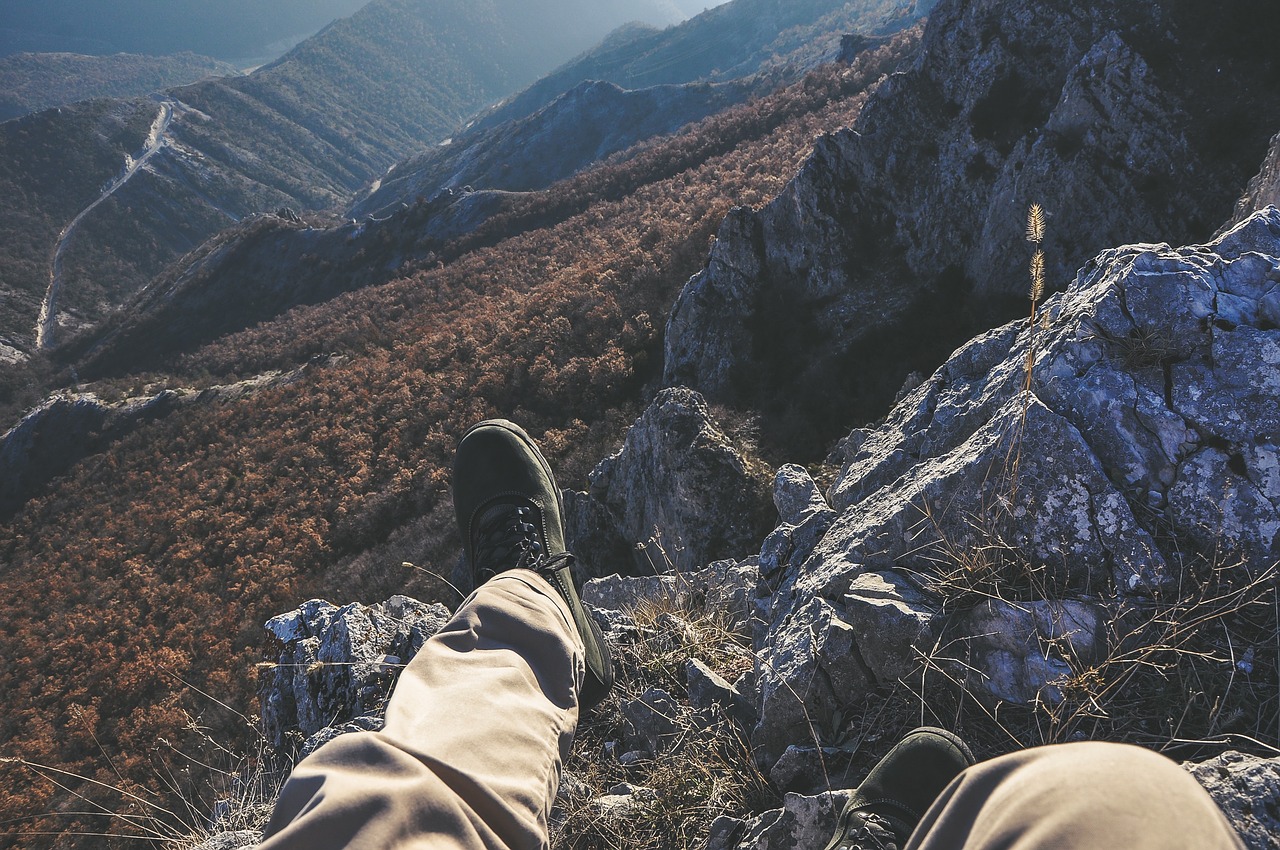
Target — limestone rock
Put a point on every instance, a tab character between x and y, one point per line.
654	720
726	587
591	534
810	770
801	822
1155	384
805	516
818	306
1152	415
1264	189
894	624
338	664
808	666
710	694
365	723
678	490
622	800
1024	651
795	494
1247	788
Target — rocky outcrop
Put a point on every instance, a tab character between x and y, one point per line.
1264	189
337	666
1149	433
800	822
679	494
903	235
61	431
1248	790
70	426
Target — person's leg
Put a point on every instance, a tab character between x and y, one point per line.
1086	795
482	718
477	729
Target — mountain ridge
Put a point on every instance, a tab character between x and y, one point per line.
305	131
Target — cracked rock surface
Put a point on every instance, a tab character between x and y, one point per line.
1151	431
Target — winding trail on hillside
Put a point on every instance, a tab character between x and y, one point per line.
156	140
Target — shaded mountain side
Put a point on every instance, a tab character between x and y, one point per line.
904	234
52	165
582	126
306	131
31	82
260	268
734	40
1263	190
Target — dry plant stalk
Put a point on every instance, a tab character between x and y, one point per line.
1035	235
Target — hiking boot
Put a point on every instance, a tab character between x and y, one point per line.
510	516
886	808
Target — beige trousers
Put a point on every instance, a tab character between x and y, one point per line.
483	717
1091	795
477	729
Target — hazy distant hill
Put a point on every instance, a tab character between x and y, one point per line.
227	29
306	132
30	82
725	42
422	211
240	30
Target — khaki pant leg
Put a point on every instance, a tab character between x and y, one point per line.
477	730
1090	795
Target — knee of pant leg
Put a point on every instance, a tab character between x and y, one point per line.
1084	795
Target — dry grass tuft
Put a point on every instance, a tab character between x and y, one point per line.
704	768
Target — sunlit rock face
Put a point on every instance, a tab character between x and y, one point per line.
902	236
1146	435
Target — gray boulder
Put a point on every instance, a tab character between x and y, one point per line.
679	493
998	531
338	664
726	587
654	721
801	822
711	695
1155	384
808	666
1247	788
804	517
1024	651
894	624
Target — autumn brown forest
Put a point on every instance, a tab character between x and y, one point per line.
155	562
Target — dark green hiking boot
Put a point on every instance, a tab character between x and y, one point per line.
510	516
887	806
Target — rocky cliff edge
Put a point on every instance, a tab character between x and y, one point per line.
1018	545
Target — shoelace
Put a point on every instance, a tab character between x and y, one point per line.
873	833
508	540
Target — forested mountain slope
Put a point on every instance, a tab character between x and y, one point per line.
306	132
726	42
30	82
158	559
